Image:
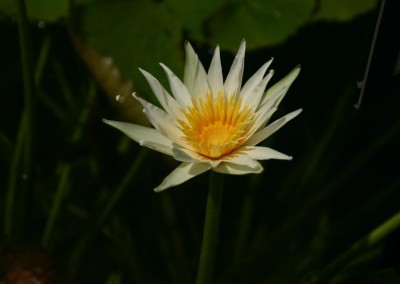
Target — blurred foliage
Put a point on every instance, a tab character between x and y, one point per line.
125	30
328	216
46	10
342	10
130	35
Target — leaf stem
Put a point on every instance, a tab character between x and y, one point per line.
13	177
65	169
109	206
373	238
28	153
121	188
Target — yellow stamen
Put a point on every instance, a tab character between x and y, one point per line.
215	127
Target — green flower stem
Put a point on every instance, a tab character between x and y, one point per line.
373	238
114	278
65	170
383	230
211	227
28	152
42	59
13	177
25	43
47	100
65	89
121	188
117	193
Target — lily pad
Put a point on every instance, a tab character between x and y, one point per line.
134	34
260	22
193	14
343	10
47	10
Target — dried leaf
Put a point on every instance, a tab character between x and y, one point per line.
108	76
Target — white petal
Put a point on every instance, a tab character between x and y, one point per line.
240	158
179	90
165	99
215	77
254	80
263	153
146	136
191	62
182	173
165	149
282	84
266	110
262	119
162	121
272	128
238	169
254	98
190	156
184	155
272	100
233	81
201	86
195	77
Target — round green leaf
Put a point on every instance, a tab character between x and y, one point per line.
134	34
260	22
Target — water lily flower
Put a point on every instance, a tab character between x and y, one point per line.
209	123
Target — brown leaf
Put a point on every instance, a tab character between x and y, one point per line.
108	76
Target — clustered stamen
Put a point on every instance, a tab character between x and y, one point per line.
215	126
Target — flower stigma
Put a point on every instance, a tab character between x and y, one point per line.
216	126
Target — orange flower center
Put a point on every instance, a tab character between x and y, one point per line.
215	127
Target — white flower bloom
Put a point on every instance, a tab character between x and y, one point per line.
209	124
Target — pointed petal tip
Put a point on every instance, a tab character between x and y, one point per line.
296	70
112	123
144	72
292	75
134	94
159	188
297	112
188	47
167	70
217	51
106	121
242	44
269	62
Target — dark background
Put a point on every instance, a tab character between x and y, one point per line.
297	222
